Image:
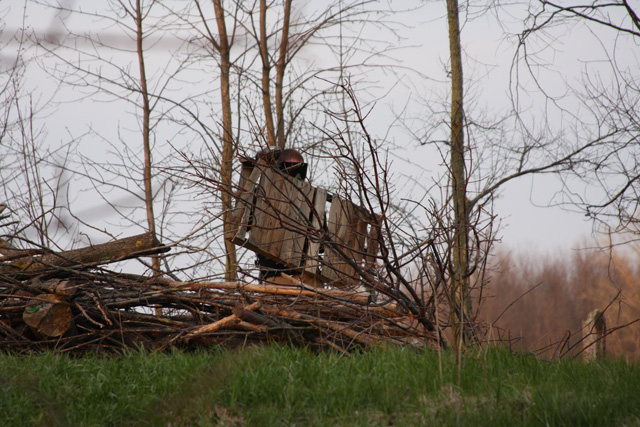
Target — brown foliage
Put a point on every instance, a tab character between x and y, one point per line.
538	303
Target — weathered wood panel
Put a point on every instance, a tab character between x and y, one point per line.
296	220
242	214
279	215
347	230
267	232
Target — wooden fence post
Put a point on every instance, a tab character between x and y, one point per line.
594	329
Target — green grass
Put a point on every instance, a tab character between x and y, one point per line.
287	386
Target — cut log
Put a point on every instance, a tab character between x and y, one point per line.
117	250
48	315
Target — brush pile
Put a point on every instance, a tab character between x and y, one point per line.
67	301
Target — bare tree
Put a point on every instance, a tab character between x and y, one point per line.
608	122
473	140
222	45
266	97
138	16
95	66
459	286
33	184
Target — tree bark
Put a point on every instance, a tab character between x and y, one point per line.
280	69
146	132
226	166
266	78
459	303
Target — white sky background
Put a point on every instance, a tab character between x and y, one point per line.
527	224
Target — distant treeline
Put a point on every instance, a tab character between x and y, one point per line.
538	303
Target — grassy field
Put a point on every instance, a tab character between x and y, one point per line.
285	386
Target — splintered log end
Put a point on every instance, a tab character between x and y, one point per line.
48	315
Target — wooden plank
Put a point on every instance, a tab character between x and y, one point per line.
345	237
246	170
261	212
335	267
289	219
267	233
359	234
349	236
330	257
301	195
242	214
277	204
317	216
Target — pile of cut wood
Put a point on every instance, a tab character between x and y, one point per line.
67	301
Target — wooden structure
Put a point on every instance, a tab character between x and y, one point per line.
594	329
302	227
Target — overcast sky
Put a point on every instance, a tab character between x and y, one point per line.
528	224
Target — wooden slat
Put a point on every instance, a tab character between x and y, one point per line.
267	232
359	234
241	216
297	213
277	205
353	239
260	213
344	238
330	256
348	227
334	266
317	216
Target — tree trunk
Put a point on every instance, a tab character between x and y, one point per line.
459	283
280	69
226	166
146	133
266	79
